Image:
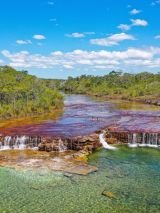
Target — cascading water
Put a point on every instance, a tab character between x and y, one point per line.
144	140
134	141
104	143
61	146
143	144
20	142
17	142
153	140
6	144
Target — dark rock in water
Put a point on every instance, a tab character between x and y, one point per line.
109	194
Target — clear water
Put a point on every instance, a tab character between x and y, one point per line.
132	175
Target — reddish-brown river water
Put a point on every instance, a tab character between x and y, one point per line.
83	115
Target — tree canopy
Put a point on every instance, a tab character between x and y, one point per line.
22	94
115	84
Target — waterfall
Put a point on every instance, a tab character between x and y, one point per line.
6	144
104	143
18	142
61	146
133	144
153	140
143	144
144	140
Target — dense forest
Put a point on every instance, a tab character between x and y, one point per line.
22	94
115	84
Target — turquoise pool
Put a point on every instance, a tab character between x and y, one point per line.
131	176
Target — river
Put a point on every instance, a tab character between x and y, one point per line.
130	178
83	115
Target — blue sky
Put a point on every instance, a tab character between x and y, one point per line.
60	38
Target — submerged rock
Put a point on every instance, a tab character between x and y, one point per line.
69	175
43	161
81	169
109	194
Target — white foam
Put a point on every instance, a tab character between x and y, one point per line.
134	145
105	144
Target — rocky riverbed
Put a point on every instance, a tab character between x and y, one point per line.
53	153
69	162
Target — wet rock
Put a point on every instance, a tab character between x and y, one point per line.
88	143
112	140
115	135
65	162
81	156
89	148
153	101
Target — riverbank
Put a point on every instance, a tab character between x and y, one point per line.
149	100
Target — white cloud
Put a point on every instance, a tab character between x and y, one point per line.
139	22
39	37
57	53
21	42
80	59
89	33
157	37
112	40
79	35
124	27
76	35
67	66
134	23
135	12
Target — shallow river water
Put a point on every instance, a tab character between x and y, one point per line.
130	176
83	115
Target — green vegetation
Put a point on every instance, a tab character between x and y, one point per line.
22	94
115	84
